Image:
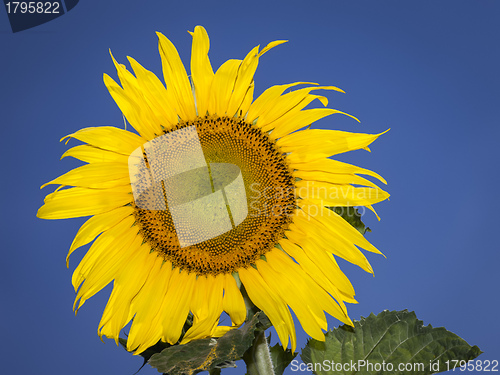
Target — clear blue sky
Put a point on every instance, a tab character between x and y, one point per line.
429	70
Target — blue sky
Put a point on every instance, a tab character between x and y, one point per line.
426	69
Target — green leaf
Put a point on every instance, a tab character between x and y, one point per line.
352	216
380	344
281	358
209	354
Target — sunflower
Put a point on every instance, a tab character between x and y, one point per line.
217	195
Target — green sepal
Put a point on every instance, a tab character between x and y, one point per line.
352	216
391	337
157	348
281	358
210	353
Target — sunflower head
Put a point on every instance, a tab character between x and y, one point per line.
214	192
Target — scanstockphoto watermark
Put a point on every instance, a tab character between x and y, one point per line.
388	367
268	200
318	190
355	366
319	209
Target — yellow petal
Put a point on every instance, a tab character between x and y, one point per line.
233	302
176	304
127	80
133	108
312	144
269	96
127	285
201	69
200	296
78	202
311	294
143	119
206	301
155	95
247	101
178	86
327	194
108	266
206	306
333	178
278	107
98	224
334	167
146	329
222	87
243	81
293	121
314	271
114	237
95	175
330	241
295	298
327	264
91	154
233	85
271	45
220	331
273	306
324	217
109	138
290	114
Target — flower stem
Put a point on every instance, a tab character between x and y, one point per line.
258	357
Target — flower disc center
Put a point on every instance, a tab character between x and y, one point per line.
211	195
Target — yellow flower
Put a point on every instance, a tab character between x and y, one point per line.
216	190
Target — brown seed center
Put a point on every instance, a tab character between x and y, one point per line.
212	195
